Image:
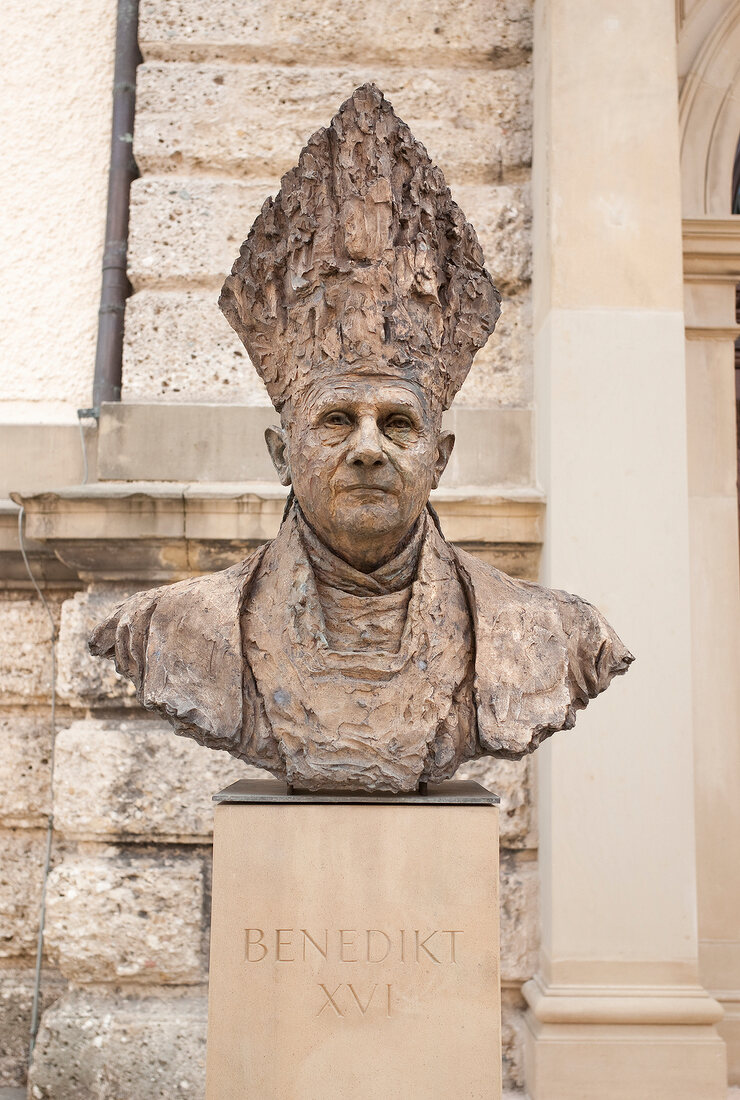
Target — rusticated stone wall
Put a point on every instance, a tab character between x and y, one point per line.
227	96
129	892
25	781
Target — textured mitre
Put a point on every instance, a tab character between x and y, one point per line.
362	264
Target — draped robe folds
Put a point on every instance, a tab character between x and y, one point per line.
297	663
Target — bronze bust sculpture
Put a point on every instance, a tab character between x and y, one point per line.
359	649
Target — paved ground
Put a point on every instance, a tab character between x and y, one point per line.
732	1094
20	1094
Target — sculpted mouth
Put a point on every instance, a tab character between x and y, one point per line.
368	490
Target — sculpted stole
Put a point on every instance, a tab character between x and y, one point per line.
360	649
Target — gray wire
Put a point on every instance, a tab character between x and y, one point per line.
50	820
84	449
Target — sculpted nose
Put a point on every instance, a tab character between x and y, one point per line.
366	447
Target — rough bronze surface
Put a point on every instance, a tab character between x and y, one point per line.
359	649
363	262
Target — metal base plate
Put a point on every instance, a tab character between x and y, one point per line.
459	792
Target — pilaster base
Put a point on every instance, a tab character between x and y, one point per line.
729	1029
623	1043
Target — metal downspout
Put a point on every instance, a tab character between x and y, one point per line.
115	285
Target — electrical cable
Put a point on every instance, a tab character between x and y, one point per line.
50	820
80	413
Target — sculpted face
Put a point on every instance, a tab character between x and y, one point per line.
362	455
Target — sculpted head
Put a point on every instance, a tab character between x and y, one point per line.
361	296
362	454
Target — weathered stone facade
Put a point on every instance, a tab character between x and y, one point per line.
128	895
654	843
227	96
128	910
226	100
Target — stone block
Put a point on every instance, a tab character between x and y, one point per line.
82	679
502	217
461	32
93	1047
21	869
513	1007
519	917
189	230
502	370
511	780
255	119
25	770
127	918
138	780
25	648
178	347
16	1000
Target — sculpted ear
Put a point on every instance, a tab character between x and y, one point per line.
277	444
445	443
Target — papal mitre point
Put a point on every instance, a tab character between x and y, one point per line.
363	264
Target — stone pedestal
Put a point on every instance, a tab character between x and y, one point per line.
354	945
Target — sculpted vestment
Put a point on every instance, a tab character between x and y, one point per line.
296	662
361	297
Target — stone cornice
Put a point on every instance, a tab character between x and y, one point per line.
711	249
163	531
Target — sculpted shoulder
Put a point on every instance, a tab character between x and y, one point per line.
541	655
180	645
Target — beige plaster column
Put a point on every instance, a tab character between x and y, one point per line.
709	114
712	270
616	1009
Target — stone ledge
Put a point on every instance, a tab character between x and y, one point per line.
46	567
170	530
36	453
202	442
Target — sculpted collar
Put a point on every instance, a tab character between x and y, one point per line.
331	570
539	654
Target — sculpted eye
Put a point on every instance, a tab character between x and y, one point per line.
398	423
336	419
